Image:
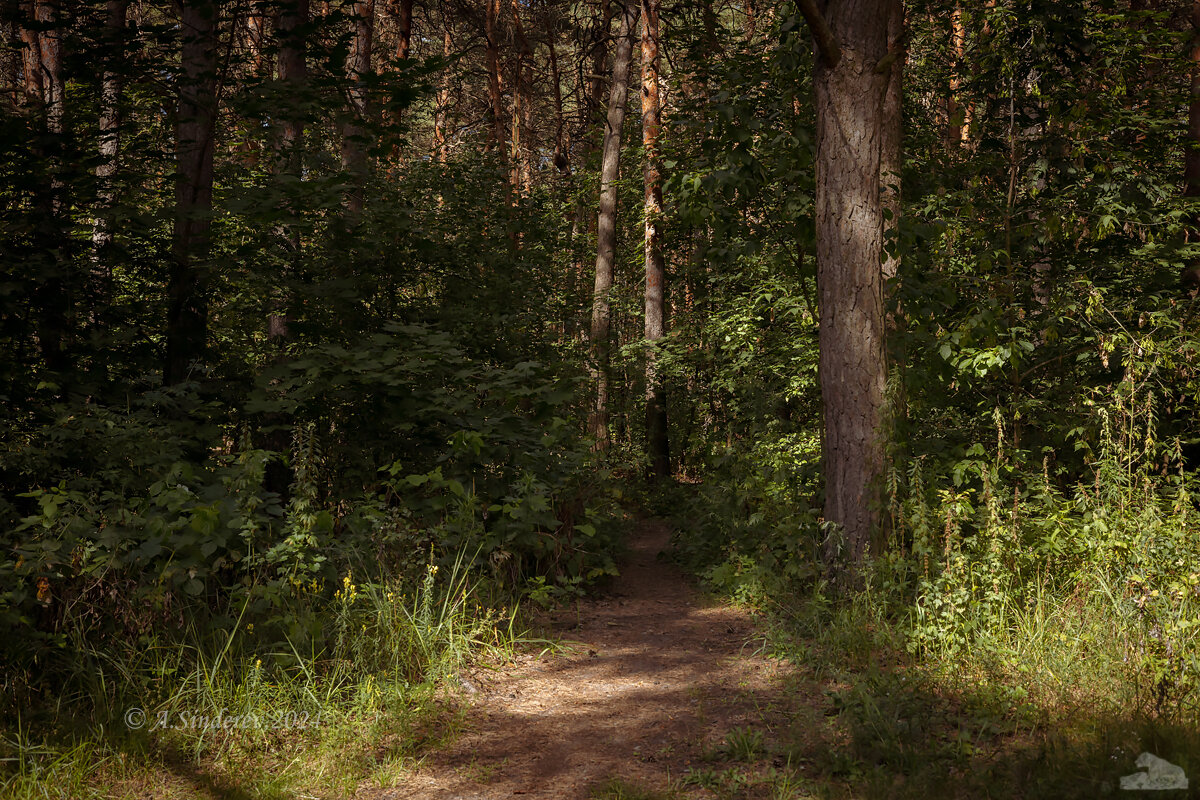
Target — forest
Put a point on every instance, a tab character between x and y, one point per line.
611	399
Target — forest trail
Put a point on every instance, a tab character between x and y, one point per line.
652	685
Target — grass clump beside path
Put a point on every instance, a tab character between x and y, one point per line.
225	717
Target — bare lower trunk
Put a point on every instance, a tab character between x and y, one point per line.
606	223
657	441
187	312
849	225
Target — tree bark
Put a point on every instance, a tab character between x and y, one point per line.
606	223
109	147
495	80
187	311
560	159
599	52
41	36
293	72
402	10
10	61
849	225
522	130
442	100
358	66
958	118
256	37
657	440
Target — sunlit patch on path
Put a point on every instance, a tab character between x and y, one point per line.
656	681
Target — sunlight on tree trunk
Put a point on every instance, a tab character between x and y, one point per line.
849	225
606	224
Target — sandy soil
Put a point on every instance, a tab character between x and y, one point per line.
654	682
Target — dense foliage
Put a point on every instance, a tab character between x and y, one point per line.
395	292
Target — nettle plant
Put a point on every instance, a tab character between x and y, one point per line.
999	554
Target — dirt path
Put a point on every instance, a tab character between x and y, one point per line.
654	687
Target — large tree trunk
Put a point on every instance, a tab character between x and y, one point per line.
187	311
606	223
358	66
850	88
657	441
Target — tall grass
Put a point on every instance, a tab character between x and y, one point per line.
238	703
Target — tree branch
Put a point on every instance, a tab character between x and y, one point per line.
831	53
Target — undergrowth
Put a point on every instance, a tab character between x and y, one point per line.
364	707
1021	631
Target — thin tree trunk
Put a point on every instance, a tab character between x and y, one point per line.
293	72
958	118
44	88
109	147
31	55
495	80
595	93
256	37
606	223
358	66
522	144
10	61
561	161
852	43
443	95
50	42
657	440
187	312
402	10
